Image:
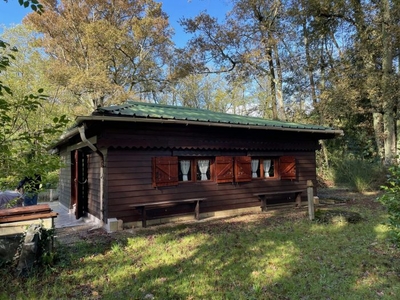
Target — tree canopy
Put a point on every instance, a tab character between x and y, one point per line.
322	62
105	50
336	63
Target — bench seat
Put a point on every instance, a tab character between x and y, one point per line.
143	207
263	197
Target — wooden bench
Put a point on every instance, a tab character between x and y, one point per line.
143	207
26	213
263	197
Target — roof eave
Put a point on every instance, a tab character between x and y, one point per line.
202	123
83	119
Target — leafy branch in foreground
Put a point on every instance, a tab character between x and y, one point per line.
34	4
391	200
26	128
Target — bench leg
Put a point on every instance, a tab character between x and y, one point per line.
298	199
144	217
197	210
263	203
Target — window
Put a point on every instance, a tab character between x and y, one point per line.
203	170
274	168
171	170
185	170
263	168
194	169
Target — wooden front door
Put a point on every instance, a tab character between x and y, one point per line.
79	189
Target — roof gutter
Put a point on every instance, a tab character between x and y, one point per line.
81	130
199	123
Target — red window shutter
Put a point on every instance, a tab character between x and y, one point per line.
165	171
242	168
287	167
224	169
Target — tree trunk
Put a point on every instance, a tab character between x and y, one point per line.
309	66
378	131
272	83
389	123
279	87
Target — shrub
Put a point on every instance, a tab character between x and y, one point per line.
391	200
358	174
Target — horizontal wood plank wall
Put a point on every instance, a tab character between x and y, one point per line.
64	186
129	182
172	136
94	185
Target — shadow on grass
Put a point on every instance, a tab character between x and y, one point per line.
248	257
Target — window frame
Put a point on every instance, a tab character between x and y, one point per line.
261	168
194	168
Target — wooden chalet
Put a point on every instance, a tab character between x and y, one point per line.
140	161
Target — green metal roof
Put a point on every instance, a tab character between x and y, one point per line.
201	116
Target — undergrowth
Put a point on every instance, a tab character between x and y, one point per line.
358	174
391	200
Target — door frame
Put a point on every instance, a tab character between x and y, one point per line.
79	182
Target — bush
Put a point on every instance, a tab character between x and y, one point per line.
391	200
358	174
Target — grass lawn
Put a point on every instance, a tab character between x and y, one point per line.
259	256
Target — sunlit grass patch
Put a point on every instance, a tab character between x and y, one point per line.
253	257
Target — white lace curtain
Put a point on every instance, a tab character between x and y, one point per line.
203	167
254	167
267	166
185	166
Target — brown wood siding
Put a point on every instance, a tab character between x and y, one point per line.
64	186
94	185
130	181
199	137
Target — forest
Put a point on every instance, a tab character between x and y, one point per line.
331	63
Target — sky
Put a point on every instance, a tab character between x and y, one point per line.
11	13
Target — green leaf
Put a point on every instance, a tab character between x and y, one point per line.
8	90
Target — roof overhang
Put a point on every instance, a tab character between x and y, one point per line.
81	121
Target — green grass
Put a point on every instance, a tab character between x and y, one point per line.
249	257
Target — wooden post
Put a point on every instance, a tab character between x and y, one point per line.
144	216
310	196
197	210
